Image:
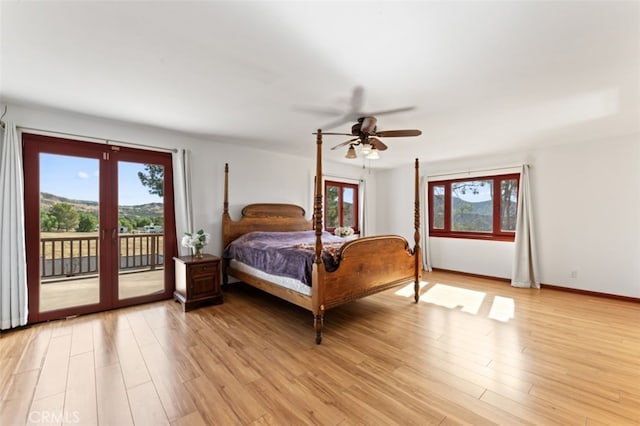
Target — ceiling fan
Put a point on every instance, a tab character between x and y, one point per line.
367	135
353	113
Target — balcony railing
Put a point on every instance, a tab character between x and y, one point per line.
78	256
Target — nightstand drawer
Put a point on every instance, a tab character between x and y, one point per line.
207	269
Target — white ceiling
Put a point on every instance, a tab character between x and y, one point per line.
484	77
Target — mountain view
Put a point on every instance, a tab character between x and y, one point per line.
82	206
64	214
473	216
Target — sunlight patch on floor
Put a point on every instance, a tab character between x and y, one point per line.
452	297
502	309
407	291
470	301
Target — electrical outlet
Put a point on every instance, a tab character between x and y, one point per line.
573	274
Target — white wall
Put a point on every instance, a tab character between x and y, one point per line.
255	175
395	207
587	213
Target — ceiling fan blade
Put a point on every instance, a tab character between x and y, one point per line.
346	118
377	144
333	134
392	111
398	133
357	98
350	141
329	112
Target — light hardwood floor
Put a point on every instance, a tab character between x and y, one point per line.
473	351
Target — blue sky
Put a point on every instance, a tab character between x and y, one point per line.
77	178
484	193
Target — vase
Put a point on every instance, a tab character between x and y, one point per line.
198	253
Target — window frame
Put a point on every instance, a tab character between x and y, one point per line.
356	204
496	235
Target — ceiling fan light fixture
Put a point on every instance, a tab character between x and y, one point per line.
373	154
351	153
367	138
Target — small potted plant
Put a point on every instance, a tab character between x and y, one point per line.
196	241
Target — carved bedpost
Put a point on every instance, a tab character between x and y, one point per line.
225	205
317	292
317	205
225	218
416	235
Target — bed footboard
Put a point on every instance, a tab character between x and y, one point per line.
367	266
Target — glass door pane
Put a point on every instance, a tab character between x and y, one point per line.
348	197
141	229
69	232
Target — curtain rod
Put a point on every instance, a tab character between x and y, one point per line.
342	177
97	139
479	170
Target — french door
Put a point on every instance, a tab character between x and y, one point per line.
100	227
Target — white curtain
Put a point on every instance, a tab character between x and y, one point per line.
182	196
13	265
424	225
525	264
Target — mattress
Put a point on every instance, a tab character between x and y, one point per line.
286	282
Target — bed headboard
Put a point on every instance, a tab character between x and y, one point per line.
268	217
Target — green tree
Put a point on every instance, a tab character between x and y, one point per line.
331	204
461	216
66	215
153	178
48	222
143	221
125	221
508	204
87	222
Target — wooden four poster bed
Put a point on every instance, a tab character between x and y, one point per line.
365	266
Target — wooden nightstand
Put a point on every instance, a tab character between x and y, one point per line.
197	281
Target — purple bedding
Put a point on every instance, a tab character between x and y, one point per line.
288	254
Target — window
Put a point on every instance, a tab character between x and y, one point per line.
483	207
341	205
